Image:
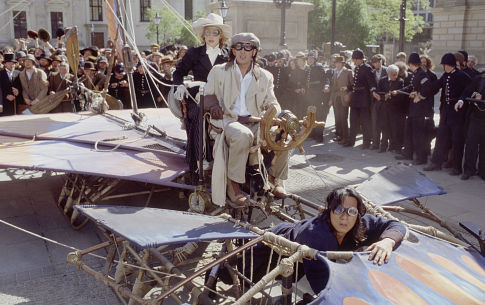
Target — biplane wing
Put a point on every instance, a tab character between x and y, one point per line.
423	270
162	227
102	145
396	183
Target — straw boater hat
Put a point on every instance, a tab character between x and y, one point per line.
211	20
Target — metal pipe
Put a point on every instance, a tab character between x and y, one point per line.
201	136
209	266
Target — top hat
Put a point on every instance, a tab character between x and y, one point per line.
44	35
32	34
8	57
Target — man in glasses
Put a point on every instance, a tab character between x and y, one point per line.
235	92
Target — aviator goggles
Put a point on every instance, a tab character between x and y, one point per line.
212	32
352	211
246	46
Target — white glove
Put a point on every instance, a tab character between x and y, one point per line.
458	105
180	93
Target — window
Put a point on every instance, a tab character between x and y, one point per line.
20	24
96	10
144	6
56	22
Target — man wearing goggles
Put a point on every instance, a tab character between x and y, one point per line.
234	92
342	226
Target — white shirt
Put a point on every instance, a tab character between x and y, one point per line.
212	53
240	107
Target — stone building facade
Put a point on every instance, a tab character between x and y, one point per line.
459	25
88	15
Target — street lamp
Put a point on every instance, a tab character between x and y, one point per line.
283	4
157	23
92	34
223	9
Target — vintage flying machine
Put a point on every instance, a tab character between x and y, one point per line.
154	254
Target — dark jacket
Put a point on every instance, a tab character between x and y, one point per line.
452	86
478	85
397	103
6	86
363	84
145	90
420	82
197	61
317	234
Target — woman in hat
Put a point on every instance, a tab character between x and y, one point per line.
200	61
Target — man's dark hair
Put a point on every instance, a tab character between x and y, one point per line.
334	199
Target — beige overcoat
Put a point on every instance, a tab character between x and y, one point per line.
224	82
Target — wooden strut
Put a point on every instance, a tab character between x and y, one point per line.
207	267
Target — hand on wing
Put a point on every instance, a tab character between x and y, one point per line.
381	251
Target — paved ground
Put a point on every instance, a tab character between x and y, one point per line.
33	271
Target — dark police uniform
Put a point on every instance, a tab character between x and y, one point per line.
415	137
390	112
452	123
475	140
300	79
360	100
315	96
145	90
196	61
119	92
280	81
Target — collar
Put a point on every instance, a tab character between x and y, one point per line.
211	50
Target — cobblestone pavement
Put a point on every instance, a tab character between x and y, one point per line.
33	271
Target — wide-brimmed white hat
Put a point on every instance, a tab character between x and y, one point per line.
212	20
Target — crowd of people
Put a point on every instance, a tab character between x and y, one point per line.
34	69
390	104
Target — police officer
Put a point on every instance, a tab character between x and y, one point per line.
475	140
299	83
362	87
452	123
419	110
145	88
316	84
280	76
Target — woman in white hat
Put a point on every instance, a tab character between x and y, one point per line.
200	61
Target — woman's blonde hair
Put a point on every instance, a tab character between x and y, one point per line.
222	41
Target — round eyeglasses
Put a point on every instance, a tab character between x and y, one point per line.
246	46
212	32
352	211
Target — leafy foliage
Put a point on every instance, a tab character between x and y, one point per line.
169	29
361	22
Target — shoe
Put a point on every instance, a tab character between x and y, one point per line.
278	189
465	176
374	147
455	172
279	192
383	149
365	146
236	201
402	157
432	167
447	164
419	162
342	141
348	144
337	139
